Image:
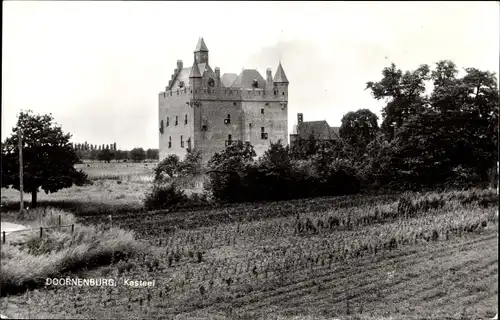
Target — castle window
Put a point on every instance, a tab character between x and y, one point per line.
161	127
263	134
186	119
168	122
228	119
255	83
234	103
283	93
204	127
267	104
229	140
182	142
170	142
176	120
261	111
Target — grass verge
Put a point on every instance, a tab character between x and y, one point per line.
27	260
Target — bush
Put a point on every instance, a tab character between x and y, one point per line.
167	168
235	177
164	196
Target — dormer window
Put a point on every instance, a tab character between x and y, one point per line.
255	83
181	84
228	119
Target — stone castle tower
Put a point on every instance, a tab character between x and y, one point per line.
202	109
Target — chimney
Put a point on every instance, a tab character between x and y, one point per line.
217	76
300	118
179	64
269	76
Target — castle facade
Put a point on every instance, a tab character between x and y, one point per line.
202	109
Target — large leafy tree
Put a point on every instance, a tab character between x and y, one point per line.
48	156
106	155
228	170
152	154
359	127
454	132
404	93
137	154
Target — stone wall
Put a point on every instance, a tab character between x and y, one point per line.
172	104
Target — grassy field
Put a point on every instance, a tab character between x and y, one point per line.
117	187
409	256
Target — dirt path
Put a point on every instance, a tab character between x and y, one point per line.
10	227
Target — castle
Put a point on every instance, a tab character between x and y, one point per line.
202	109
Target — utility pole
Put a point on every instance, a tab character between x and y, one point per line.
21	187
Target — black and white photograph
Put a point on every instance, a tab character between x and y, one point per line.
286	160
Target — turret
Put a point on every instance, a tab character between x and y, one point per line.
201	52
195	77
281	83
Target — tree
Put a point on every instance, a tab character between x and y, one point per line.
137	154
359	128
192	164
227	171
48	158
168	166
152	154
105	155
450	139
404	93
121	155
114	146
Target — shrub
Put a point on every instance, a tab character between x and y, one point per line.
164	196
168	167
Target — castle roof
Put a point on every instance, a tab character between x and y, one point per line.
201	46
186	72
246	77
280	76
227	79
320	130
195	71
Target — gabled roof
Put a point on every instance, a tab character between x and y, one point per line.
280	76
201	46
184	75
320	130
227	79
246	77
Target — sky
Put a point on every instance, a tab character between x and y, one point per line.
98	67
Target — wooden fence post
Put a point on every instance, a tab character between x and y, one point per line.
59	221
41	232
3	236
72	228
